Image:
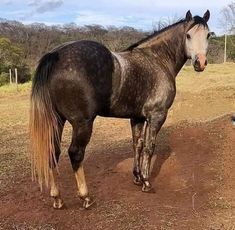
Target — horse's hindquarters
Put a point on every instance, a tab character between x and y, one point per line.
81	84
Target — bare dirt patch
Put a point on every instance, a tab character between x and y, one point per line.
194	189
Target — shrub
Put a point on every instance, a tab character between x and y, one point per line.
24	74
4	79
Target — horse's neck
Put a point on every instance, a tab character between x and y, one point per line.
168	49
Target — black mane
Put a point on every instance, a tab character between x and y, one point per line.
197	21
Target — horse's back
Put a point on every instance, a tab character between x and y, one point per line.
82	79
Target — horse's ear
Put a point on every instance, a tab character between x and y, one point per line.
189	16
206	16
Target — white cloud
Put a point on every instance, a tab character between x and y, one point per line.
90	17
48	6
87	17
34	3
37	7
7	2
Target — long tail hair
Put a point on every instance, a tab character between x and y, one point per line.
43	122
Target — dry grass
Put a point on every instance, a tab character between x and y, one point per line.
14	107
215	76
203	96
12	89
200	97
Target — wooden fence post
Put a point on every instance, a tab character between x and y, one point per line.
225	48
10	76
16	76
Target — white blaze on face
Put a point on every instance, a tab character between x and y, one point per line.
197	45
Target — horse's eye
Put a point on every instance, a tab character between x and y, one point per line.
188	36
208	35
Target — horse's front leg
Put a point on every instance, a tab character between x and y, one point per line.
155	123
138	130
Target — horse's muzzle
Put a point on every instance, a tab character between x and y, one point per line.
200	62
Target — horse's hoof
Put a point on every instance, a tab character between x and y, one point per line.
58	203
137	181
147	187
88	202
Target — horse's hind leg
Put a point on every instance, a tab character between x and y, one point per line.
81	136
138	130
55	193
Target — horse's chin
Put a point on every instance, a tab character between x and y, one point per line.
198	69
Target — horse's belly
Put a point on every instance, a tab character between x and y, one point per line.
123	110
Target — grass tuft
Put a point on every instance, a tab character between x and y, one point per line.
13	89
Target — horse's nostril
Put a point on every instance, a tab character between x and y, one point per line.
197	62
206	63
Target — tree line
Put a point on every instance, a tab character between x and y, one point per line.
21	46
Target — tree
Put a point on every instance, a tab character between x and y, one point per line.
228	18
9	53
10	58
164	22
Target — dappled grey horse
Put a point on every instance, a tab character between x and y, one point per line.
80	80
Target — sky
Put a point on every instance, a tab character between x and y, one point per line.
140	14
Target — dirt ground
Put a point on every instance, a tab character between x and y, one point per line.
192	172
